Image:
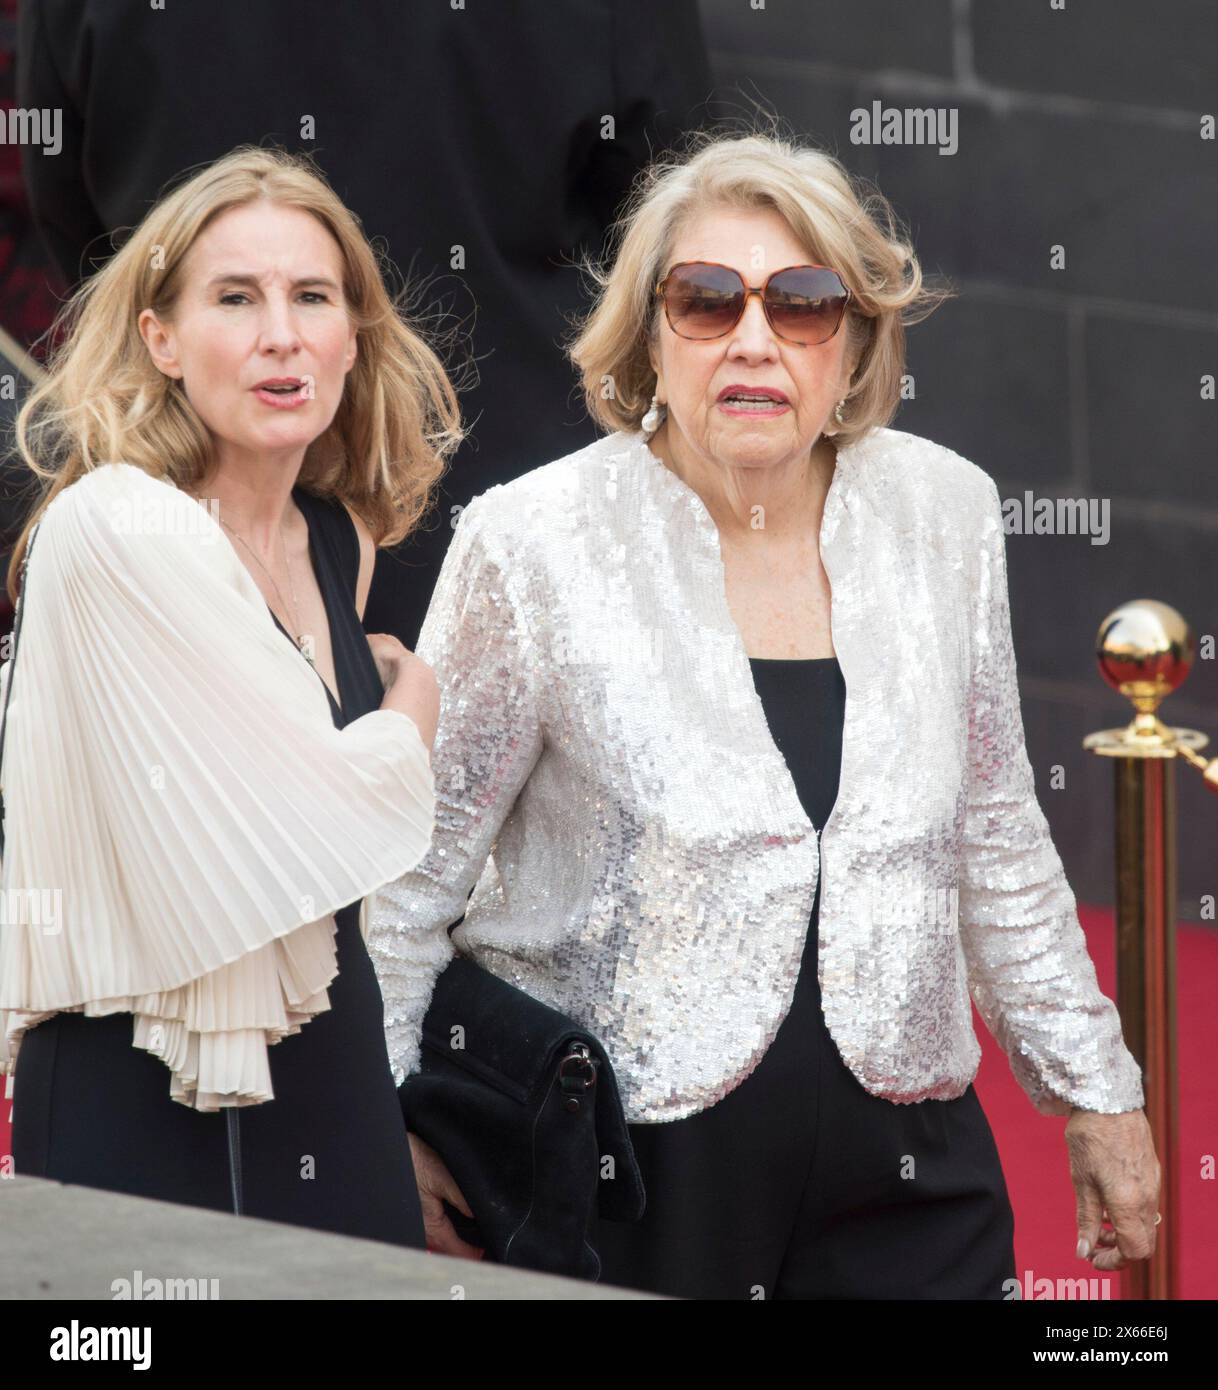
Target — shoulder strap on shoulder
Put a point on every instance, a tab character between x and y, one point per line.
333	523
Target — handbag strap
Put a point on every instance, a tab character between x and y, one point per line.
12	668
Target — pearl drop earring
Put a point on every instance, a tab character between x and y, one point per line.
653	419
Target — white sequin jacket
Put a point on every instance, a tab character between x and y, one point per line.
607	785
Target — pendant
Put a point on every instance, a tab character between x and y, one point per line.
308	656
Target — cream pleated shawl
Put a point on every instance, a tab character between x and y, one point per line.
182	816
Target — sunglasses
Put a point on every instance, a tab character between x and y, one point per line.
803	304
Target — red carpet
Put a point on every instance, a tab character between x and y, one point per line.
1034	1151
1033	1148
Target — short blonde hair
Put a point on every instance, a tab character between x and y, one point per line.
841	221
104	399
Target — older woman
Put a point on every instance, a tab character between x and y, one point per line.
204	757
654	657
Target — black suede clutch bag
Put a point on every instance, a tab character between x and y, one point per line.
522	1105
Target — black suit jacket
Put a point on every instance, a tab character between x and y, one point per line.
479	128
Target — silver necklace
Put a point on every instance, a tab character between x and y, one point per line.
292	612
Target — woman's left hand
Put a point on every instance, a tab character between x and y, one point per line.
1115	1172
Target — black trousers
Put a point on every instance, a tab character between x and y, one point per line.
328	1152
802	1184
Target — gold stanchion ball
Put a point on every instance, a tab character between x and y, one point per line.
1145	648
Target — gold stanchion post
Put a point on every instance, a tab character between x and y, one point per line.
1145	650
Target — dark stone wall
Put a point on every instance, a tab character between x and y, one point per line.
1080	127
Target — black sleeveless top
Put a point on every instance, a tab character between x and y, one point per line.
341	1105
804	704
334	551
805	707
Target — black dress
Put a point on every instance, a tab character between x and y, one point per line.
330	1150
800	1183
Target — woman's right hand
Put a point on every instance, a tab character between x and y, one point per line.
437	1186
410	684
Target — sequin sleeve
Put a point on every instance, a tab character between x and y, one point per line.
488	738
1029	971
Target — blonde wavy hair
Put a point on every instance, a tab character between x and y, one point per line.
840	220
103	398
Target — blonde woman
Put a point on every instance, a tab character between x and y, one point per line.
731	755
207	764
